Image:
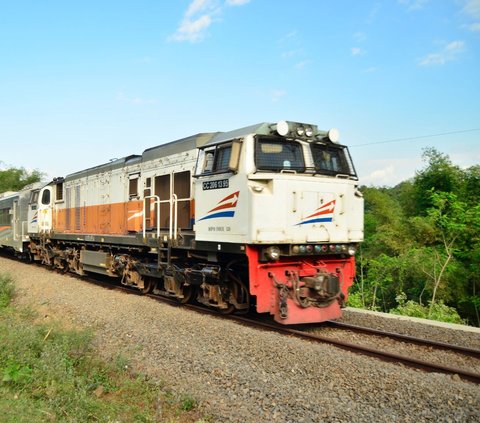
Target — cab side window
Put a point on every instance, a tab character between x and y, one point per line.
215	159
46	197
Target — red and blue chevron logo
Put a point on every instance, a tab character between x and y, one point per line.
224	208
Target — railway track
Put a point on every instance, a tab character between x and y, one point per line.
472	352
375	352
315	337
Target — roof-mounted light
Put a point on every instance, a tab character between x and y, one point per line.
283	128
334	135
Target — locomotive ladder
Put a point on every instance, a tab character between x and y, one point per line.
167	240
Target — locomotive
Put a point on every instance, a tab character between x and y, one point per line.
266	217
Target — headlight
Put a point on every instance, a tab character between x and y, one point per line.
352	250
272	253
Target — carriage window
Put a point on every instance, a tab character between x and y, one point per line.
279	155
331	160
133	186
59	192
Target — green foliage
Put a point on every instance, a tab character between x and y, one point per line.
439	175
52	374
14	179
7	290
422	238
439	311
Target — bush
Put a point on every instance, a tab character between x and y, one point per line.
438	311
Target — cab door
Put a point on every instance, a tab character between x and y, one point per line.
32	226
45	210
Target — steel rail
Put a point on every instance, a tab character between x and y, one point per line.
383	355
408	338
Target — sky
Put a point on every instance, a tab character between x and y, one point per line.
83	82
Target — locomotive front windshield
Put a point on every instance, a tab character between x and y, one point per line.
276	155
279	155
332	160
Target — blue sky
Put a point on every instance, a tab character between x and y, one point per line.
84	82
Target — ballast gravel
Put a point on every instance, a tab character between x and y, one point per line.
240	374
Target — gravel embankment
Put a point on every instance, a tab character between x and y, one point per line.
241	374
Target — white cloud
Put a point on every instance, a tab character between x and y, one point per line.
472	10
474	27
413	5
290	53
192	30
276	95
198	17
357	51
302	64
360	37
236	2
379	176
388	171
372	15
123	98
197	6
449	53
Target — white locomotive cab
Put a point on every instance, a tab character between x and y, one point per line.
292	184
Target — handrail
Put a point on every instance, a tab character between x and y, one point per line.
175	216
173	224
144	218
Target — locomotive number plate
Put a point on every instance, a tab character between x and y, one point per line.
221	183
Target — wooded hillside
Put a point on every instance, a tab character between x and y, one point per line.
421	254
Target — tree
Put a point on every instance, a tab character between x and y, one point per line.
439	175
14	179
422	240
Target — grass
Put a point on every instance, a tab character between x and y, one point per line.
53	374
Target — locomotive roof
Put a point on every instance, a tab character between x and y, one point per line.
259	128
173	147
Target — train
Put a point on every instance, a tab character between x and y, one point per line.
265	218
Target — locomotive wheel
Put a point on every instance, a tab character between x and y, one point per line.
231	308
187	294
148	285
